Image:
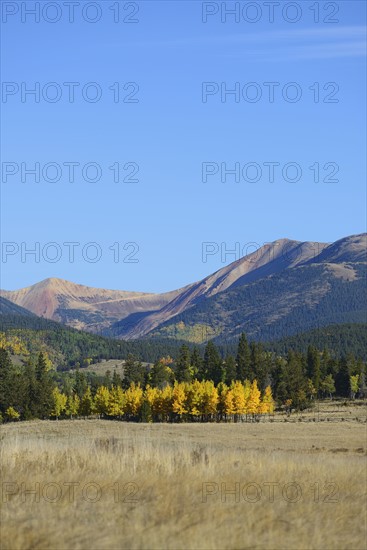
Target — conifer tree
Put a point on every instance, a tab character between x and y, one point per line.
160	375
134	372
6	381
314	367
197	365
183	367
342	380
44	388
86	403
243	359
230	369
213	364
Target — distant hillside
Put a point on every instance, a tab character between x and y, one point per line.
342	340
83	307
67	347
9	308
283	288
283	304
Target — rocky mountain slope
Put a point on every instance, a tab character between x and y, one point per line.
285	283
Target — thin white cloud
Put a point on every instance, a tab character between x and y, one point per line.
298	43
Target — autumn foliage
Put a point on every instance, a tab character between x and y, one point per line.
184	401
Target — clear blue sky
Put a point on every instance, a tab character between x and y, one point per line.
170	132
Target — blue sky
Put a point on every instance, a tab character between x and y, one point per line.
169	133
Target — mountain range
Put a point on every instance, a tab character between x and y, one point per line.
282	288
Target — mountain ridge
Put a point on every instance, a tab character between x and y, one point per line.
132	315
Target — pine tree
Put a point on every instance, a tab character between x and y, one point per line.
134	372
183	367
116	379
197	365
342	381
314	367
243	359
80	385
230	369
44	388
293	383
86	404
213	364
255	363
160	375
6	390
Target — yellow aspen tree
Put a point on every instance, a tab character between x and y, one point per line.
222	389
166	398
101	400
267	402
179	399
195	398
228	404
254	400
133	400
209	398
59	402
72	406
151	396
116	402
12	414
246	392
239	399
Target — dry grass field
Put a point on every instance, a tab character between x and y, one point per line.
112	485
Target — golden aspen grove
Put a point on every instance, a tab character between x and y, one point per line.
184	401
